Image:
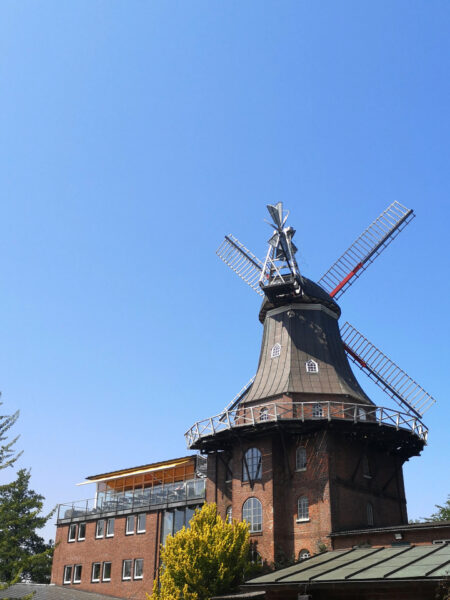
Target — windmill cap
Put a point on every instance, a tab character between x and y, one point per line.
313	293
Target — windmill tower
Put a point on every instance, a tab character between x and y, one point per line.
302	451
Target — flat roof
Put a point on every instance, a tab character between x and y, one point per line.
405	527
393	564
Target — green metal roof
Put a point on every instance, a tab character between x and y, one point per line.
363	564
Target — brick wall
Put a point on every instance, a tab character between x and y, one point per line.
113	549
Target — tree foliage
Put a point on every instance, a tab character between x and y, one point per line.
8	455
209	558
443	512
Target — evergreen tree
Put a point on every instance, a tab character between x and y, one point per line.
22	550
209	558
8	455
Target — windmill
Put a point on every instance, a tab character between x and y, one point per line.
278	280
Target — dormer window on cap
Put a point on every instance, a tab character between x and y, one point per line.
276	351
312	366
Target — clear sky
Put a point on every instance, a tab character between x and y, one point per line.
134	135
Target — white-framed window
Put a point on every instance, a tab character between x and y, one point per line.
311	366
303	554
106	576
110	527
72	532
100	528
317	411
67	574
126	569
366	467
81	532
96	570
229	515
251	468
302	509
252	513
362	415
138	568
300	459
77	573
369	510
276	351
129	527
141	523
264	414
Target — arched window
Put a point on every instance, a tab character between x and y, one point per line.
303	509
317	411
264	414
303	554
369	509
300	459
362	416
276	351
229	515
366	467
312	366
252	513
251	467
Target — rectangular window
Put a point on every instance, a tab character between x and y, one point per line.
110	528
129	529
96	567
126	569
100	530
72	533
141	523
77	574
67	574
106	571
139	568
81	531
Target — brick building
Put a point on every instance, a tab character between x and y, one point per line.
303	455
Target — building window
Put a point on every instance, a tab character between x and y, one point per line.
229	471
96	568
110	528
72	533
366	467
255	557
129	528
106	571
141	523
81	532
303	554
276	351
369	514
300	459
303	509
100	529
312	366
362	416
264	414
77	573
126	569
317	411
252	465
67	574
229	515
252	513
138	568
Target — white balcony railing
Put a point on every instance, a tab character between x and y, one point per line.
260	414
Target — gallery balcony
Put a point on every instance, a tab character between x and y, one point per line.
159	496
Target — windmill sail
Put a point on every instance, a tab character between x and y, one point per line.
365	249
240	395
385	373
242	261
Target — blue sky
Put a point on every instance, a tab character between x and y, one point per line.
134	136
